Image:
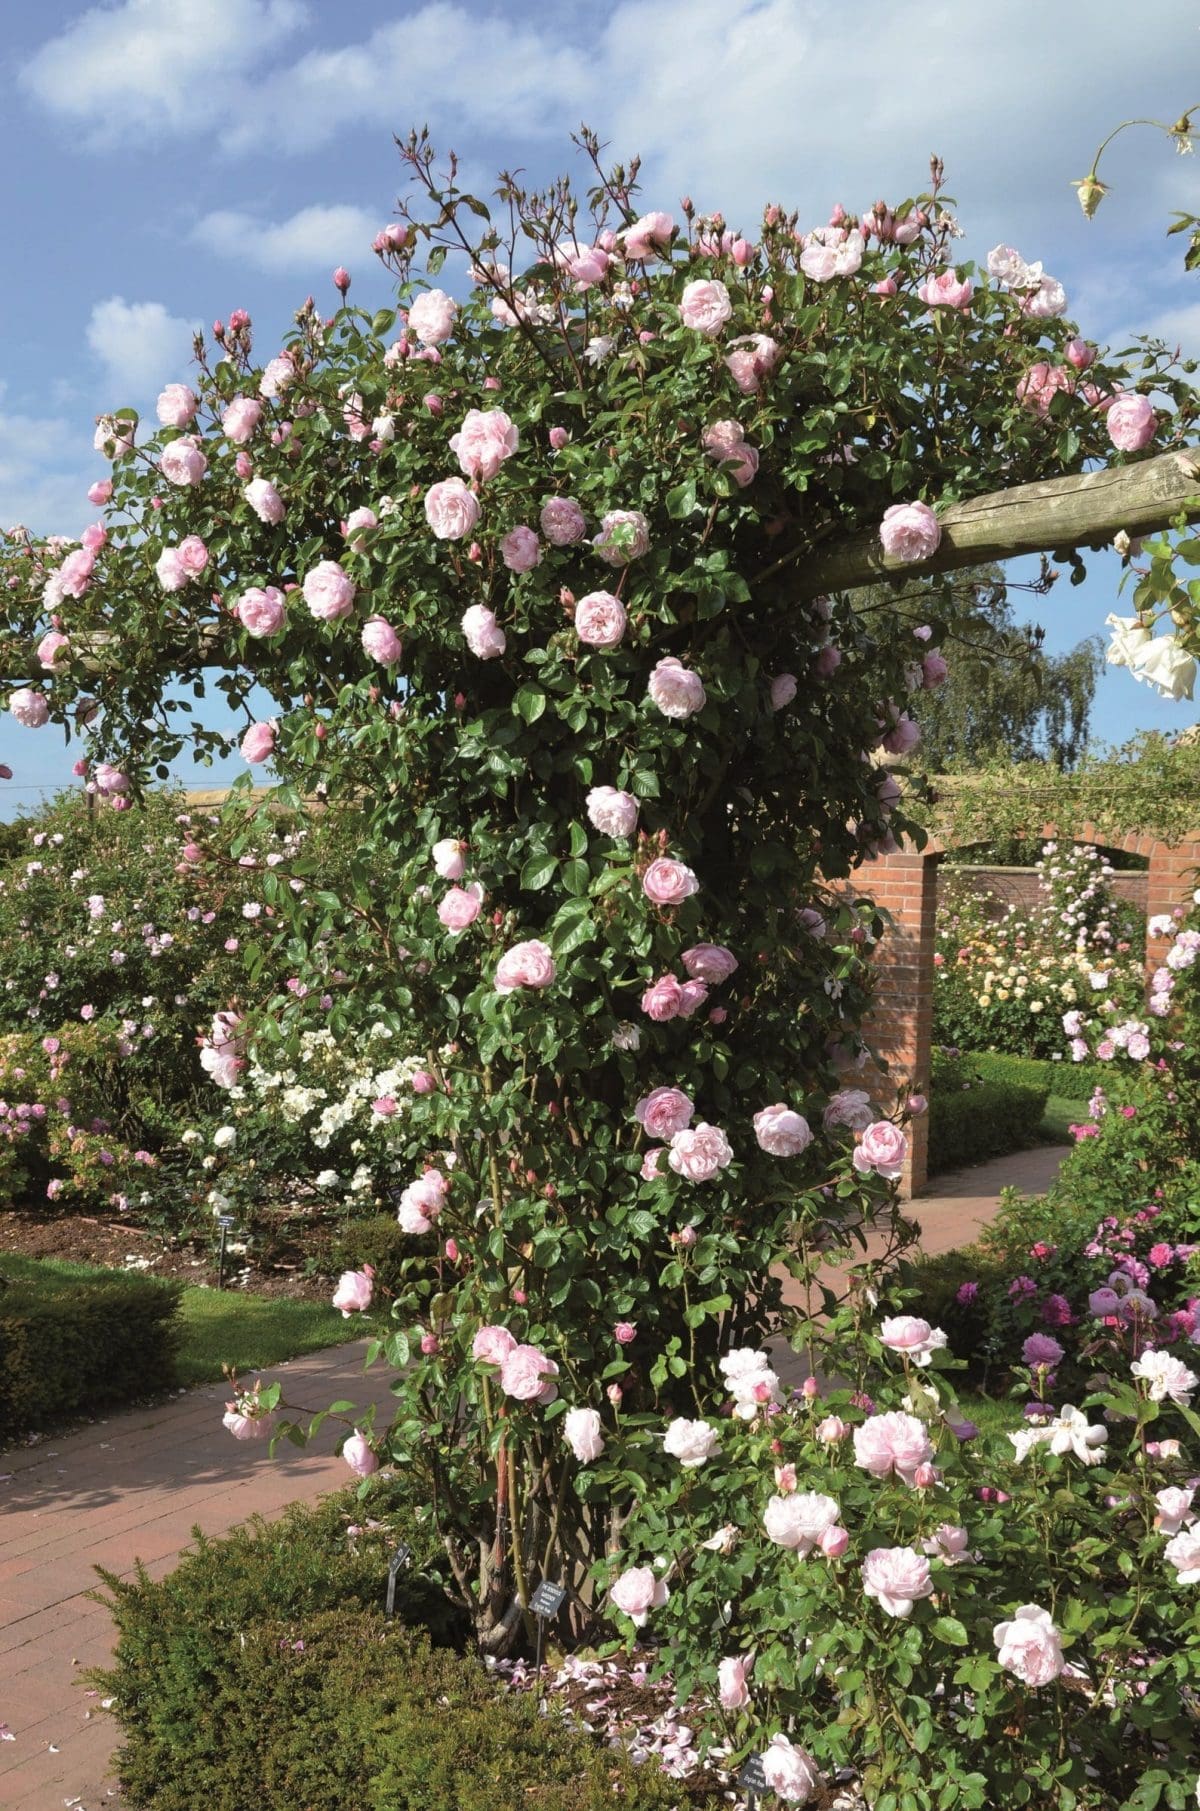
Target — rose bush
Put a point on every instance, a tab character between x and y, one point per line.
662	653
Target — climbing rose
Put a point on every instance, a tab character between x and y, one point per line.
431	317
492	1345
725	443
699	1153
913	1337
581	1431
731	1681
663	1112
894	1442
1183	1552
1040	385
624	535
258	743
261	611
182	462
246	1421
486	439
782	690
524	965
797	1521
359	1456
562	521
710	962
448	858
51	649
882	1149
1166	1377
1130	422
328	591
933	671
485	637
451	510
691	1442
611	812
669	883
600	619
647	235
1030	1646
176	406
831	251
637	1592
705	306
520	550
896	1577
240	418
278	374
264	500
381	641
946	291
460	908
781	1131
526	1374
789	1771
1174	1509
750	359
675	689
354	1291
910	531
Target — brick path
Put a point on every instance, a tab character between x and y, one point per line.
134	1486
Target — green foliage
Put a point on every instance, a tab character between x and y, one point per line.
1072	1081
973	1117
82	1346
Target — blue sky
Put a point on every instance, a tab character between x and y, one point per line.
164	161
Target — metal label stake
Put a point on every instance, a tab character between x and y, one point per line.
545	1603
752	1780
399	1560
224	1222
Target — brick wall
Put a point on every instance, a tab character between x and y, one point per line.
900	1027
1019	886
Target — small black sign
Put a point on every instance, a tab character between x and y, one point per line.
226	1220
752	1776
400	1558
546	1599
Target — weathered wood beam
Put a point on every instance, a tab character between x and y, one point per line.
1078	511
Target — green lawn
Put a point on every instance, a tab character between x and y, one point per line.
220	1327
1060	1114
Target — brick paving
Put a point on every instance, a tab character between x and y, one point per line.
134	1486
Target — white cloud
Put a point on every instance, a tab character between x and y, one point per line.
313	236
43	475
141	346
172	65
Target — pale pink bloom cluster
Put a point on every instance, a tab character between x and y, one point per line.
1174	1509
781	1131
669	883
751	1382
782	689
582	1433
710	962
240	419
949	1543
460	908
223	1052
527	1375
600	619
882	1149
178	566
750	359
1030	1646
832	251
247	1418
897	1578
483	634
486	439
624	536
699	1153
1039	386
29	707
380	641
637	1592
1167	1378
527	964
648	235
611	812
1183	1552
912	1337
663	1112
668	998
52	648
910	532
176	406
800	1520
1069	1432
789	1770
422	1201
894	1443
691	1442
675	689
182	461
354	1291
449	858
725	442
1131	423
451	510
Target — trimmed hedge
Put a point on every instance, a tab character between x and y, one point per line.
261	1671
971	1119
1071	1081
70	1348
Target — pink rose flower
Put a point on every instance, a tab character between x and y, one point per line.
109	780
676	690
526	1373
328	591
1174	1509
484	636
354	1291
524	965
789	1770
668	999
600	619
451	510
421	1202
903	736
258	743
651	1170
460	908
910	531
933	671
732	1689
705	306
431	317
912	1337
699	1153
646	237
264	500
894	1442
170	571
781	1131
1039	386
486	439
1030	1646
832	251
449	858
381	642
1131	422
896	1578
246	1420
710	962
725	442
100	492
581	1431
946	291
831	1430
278	374
611	812
176	406
663	1112
1183	1552
637	1592
358	1454
691	1442
492	1345
240	418
883	1149
52	648
562	521
783	690
1041	1349
182	462
261	610
750	359
799	1519
521	550
1080	354
624	535
669	883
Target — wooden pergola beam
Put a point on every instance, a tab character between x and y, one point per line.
1078	511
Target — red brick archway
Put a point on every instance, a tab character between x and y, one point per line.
904	884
